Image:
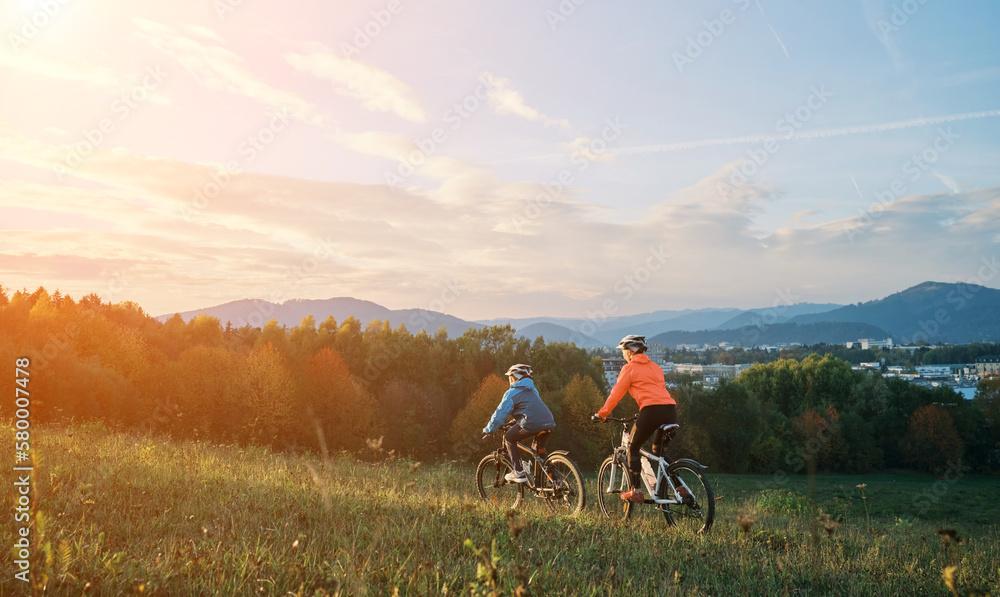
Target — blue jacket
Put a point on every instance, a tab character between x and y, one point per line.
522	401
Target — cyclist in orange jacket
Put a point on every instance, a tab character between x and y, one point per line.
643	380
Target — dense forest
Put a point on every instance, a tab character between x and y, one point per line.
366	388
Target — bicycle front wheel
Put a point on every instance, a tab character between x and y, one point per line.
697	512
563	486
612	480
492	486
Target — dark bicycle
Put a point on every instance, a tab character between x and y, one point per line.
553	478
678	488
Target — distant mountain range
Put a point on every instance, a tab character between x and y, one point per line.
290	313
934	312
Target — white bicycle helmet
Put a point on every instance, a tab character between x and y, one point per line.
519	371
636	344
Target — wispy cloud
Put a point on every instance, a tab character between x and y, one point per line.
376	89
949	182
250	237
507	100
217	67
46	62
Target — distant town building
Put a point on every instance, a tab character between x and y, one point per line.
989	365
935	371
715	369
866	343
656	352
691	347
612	367
914	348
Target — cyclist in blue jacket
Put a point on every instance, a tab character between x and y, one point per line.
522	402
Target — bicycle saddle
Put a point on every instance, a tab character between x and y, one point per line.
670	429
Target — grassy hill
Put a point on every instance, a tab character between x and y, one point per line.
125	513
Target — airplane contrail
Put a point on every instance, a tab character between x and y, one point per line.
818	134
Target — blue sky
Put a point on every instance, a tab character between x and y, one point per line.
544	158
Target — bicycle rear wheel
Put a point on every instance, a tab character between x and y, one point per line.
492	486
698	510
612	480
563	492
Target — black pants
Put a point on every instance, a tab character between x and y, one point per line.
650	419
516	433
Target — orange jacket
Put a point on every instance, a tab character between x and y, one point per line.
643	379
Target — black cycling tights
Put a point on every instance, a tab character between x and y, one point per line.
650	419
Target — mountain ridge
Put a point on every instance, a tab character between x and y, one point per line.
929	311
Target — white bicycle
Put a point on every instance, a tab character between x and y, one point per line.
677	488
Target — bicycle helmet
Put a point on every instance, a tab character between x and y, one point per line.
519	371
636	344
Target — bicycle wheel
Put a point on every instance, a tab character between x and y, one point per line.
564	492
612	480
698	510
493	488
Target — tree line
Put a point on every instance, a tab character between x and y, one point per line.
788	415
326	386
342	386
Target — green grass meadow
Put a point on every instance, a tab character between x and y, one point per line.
120	513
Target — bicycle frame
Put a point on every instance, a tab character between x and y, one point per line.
662	474
535	478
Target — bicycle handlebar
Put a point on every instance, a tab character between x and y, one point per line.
616	420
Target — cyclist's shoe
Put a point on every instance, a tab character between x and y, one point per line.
635	496
516	477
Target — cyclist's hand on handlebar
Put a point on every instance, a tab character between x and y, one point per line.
596	417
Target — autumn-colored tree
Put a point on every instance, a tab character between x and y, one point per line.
302	338
335	411
931	441
475	415
264	389
205	330
589	441
818	440
274	334
201	393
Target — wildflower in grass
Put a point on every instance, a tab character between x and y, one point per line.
864	500
829	525
414	467
515	523
949	578
375	444
745	523
950	536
